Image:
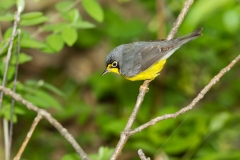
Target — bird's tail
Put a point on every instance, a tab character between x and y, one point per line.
178	42
190	36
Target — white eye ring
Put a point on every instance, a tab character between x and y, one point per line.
114	64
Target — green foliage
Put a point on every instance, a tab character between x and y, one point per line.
93	9
60	33
69	35
55	42
73	156
20	5
95	109
103	153
33	21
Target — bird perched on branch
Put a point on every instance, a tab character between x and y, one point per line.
144	60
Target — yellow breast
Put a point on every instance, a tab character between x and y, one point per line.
150	73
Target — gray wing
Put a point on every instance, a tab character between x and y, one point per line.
151	54
138	57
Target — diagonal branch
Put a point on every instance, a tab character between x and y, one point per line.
142	155
29	135
125	134
52	120
180	18
192	104
4	80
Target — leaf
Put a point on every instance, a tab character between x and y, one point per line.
55	42
83	25
28	42
231	20
19	110
48	99
55	27
43	99
31	22
105	153
72	15
69	36
23	58
72	156
48	49
218	121
93	9
53	89
4	5
8	33
206	8
6	113
63	6
11	72
7	17
20	5
31	15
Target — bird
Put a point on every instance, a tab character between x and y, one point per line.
144	60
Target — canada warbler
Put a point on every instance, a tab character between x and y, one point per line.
144	60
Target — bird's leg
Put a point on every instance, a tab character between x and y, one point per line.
145	85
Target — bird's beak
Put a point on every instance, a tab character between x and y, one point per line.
105	71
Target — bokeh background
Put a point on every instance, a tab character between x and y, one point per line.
61	72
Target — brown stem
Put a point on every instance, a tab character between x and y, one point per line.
192	104
142	155
63	131
180	18
30	132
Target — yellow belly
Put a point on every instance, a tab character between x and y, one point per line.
150	73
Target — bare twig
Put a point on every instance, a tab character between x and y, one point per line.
9	53
192	104
30	132
142	155
14	90
180	18
125	134
14	33
52	120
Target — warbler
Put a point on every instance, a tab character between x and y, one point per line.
144	60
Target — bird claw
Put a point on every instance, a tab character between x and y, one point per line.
143	87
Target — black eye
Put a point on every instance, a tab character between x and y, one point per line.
114	64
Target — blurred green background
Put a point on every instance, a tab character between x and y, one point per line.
63	49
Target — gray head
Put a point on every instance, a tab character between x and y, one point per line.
113	60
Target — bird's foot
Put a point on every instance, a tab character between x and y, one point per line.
144	86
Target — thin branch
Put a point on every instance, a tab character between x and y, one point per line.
9	53
192	104
180	18
125	134
142	155
63	131
29	135
14	90
14	33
